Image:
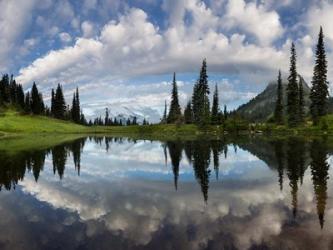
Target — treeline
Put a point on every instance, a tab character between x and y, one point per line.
198	110
108	121
32	102
295	113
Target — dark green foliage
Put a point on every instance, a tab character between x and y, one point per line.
215	108
188	113
292	91
278	113
200	100
59	104
301	104
76	109
20	96
174	112
320	175
37	103
27	103
225	113
319	91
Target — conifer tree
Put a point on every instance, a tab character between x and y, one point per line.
13	91
27	103
278	113
319	90
200	100
174	112
225	113
59	104
215	107
301	104
188	113
35	100
292	91
20	96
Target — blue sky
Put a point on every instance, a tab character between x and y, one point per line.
122	53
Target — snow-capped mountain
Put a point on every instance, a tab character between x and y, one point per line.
122	112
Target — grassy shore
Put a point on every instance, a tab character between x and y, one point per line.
14	124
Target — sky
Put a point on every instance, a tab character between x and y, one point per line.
122	53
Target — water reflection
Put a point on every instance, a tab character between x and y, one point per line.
288	160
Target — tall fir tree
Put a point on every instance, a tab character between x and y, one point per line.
175	111
200	100
292	91
59	104
35	100
165	116
301	104
188	113
215	107
319	90
27	103
278	113
20	96
76	109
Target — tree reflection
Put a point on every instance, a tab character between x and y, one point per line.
319	171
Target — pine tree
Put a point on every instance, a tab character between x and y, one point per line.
107	119
292	91
20	96
225	113
278	113
200	100
27	103
188	113
215	107
174	112
35	100
319	90
301	104
59	104
77	106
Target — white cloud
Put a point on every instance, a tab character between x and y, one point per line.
13	20
255	19
65	37
88	29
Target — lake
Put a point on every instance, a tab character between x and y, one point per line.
120	193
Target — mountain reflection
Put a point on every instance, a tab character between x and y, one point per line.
289	158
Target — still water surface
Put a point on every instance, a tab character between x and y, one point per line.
116	193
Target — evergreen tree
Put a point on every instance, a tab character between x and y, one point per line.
174	112
76	109
319	90
215	107
35	100
225	113
107	119
27	103
292	91
59	104
200	100
188	113
77	106
20	96
301	105
278	114
13	91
